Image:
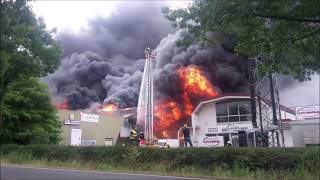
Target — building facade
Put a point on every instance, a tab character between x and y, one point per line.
87	129
224	120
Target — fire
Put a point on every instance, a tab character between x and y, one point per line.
109	108
63	105
193	81
169	114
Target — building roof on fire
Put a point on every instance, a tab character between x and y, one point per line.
237	96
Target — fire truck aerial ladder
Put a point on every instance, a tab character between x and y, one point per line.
145	104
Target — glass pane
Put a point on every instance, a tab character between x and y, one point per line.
245	118
234	119
222	110
245	108
222	119
233	109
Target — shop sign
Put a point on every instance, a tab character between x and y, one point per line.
89	117
210	141
212	130
233	128
308	112
71	122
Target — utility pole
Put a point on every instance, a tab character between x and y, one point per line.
273	103
252	81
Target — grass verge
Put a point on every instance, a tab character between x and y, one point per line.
301	164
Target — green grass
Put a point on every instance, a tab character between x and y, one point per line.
244	163
216	173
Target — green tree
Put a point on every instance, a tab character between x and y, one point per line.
27	50
286	33
29	116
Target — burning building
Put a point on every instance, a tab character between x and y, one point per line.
103	67
183	77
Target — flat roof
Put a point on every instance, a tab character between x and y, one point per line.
237	96
221	97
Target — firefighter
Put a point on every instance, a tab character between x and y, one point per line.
134	137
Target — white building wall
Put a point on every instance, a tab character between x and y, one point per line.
305	132
207	119
204	120
288	142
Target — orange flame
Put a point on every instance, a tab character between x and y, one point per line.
195	82
109	108
63	105
170	114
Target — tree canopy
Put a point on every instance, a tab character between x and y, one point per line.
27	51
286	33
28	115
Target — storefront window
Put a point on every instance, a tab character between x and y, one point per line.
245	117
233	112
222	110
222	119
233	118
244	108
233	109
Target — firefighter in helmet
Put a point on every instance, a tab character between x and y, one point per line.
134	137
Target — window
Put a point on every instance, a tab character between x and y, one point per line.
222	119
244	108
222	110
233	118
233	111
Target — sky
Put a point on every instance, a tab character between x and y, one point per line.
73	16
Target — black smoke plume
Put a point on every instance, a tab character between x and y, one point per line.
104	63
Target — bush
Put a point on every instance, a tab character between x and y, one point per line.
204	159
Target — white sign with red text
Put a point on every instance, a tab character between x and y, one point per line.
89	117
308	112
209	141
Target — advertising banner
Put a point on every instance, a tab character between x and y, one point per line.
209	141
308	112
89	117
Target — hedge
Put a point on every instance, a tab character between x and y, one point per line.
265	159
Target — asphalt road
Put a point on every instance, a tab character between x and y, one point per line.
31	173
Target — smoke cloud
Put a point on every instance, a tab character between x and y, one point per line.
104	63
227	71
304	93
